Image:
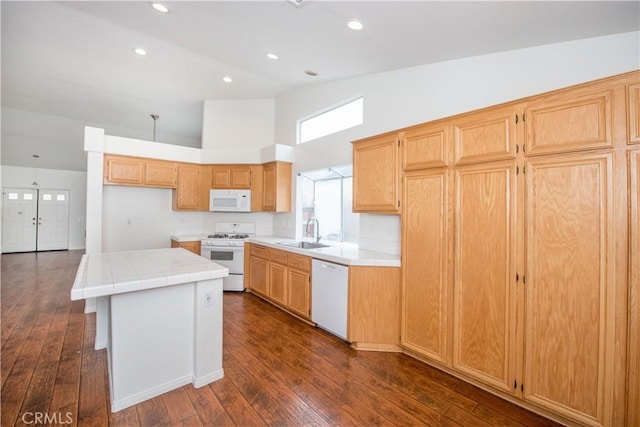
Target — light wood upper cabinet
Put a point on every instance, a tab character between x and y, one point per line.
633	113
426	242
276	187
570	285
376	175
160	174
484	260
141	172
123	170
425	146
485	135
187	194
231	177
571	120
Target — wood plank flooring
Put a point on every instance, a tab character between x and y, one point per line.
278	370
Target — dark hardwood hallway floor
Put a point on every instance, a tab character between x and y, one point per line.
278	370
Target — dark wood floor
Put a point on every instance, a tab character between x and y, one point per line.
278	370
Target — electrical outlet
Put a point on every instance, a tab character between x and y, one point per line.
208	299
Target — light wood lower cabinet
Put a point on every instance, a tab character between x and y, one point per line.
373	317
282	277
285	279
258	275
193	246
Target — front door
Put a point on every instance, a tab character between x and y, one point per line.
19	219
53	220
35	220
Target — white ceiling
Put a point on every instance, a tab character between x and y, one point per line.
70	64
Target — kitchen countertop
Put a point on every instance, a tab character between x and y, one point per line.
188	237
340	253
112	273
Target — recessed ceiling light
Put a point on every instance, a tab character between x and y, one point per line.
355	25
272	56
227	79
310	73
160	7
140	51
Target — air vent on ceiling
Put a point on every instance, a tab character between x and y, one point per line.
299	3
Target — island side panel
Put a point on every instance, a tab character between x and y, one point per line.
207	323
152	339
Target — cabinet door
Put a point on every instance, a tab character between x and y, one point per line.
569	284
484	286
633	113
190	246
241	177
485	135
571	120
278	283
634	287
123	170
425	279
259	274
376	175
187	192
160	174
299	292
269	187
276	187
221	177
425	147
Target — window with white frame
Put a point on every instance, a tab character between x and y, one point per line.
326	195
332	120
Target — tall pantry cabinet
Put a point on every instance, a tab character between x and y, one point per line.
520	249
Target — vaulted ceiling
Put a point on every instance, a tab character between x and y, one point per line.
70	64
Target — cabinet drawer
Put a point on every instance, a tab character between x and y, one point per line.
299	262
279	257
260	251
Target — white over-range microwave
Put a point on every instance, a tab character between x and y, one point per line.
230	200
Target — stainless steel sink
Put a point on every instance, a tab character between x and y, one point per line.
305	245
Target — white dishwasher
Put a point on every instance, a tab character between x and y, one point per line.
329	292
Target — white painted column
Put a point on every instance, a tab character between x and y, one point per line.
94	146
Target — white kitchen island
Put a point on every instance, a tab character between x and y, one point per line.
159	315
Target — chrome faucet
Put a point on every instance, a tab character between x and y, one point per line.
317	228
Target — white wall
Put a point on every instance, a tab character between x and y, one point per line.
141	218
238	124
400	98
74	181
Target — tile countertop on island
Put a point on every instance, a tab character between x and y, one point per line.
340	253
112	273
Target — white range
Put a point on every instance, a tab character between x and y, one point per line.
226	247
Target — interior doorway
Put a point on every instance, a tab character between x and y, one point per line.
35	220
